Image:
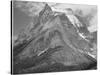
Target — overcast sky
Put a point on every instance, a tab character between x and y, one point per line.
22	17
20	20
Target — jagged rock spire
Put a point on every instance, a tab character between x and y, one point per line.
45	14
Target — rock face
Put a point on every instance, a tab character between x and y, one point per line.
55	46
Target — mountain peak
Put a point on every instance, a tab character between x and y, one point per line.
45	14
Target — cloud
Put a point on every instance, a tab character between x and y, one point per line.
32	8
29	7
93	24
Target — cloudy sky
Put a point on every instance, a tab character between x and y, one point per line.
20	20
23	12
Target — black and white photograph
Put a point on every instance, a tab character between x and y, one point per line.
53	37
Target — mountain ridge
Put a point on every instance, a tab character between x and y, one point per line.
52	32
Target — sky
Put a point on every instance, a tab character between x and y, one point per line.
20	20
22	12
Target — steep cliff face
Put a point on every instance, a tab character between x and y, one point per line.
55	40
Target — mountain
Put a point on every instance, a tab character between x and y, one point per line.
55	40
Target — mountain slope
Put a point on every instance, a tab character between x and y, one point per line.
55	41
